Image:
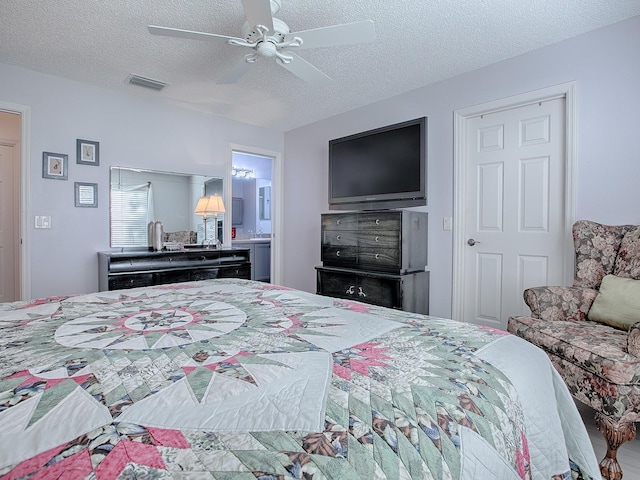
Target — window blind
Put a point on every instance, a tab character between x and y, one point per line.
129	217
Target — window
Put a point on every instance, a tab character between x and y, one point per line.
130	215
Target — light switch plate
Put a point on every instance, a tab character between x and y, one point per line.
43	221
446	223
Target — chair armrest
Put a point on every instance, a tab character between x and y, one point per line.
633	340
560	303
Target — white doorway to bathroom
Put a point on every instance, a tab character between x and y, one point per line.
253	215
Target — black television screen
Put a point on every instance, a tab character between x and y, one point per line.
381	168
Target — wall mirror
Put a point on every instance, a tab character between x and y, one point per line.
139	196
264	202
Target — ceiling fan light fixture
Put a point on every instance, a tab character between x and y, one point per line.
146	82
267	49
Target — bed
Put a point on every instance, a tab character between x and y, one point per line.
234	379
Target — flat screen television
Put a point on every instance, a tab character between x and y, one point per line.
381	168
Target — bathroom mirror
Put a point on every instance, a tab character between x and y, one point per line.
264	202
139	196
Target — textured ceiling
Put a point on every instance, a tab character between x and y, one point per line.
418	42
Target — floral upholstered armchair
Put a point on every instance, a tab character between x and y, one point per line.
595	349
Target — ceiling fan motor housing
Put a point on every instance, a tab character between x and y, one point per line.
266	48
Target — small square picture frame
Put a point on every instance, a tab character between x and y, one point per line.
55	165
87	152
86	194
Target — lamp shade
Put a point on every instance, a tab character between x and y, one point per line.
201	206
211	205
216	205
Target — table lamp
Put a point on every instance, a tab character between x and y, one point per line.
209	206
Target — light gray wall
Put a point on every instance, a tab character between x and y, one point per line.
606	68
132	131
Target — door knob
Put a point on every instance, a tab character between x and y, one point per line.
471	242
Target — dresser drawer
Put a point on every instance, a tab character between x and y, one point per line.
374	221
116	282
340	221
204	274
409	292
240	271
339	255
339	238
336	284
379	258
171	276
387	240
380	291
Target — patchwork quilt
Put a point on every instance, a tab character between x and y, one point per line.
234	379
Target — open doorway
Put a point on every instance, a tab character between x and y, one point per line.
252	210
10	267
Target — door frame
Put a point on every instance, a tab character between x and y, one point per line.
460	160
23	216
276	199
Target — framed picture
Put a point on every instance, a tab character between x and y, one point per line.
86	194
54	165
87	152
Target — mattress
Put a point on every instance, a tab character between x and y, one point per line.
235	379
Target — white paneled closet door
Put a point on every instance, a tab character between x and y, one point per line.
514	208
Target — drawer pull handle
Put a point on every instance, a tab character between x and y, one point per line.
351	290
337	222
377	256
377	239
338	253
338	237
377	221
361	293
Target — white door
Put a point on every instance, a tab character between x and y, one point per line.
515	208
9	279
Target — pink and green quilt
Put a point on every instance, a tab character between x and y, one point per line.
233	379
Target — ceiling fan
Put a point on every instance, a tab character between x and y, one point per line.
270	37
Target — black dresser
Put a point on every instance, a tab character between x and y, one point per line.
377	257
141	268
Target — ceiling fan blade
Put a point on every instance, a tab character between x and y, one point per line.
304	70
343	34
238	70
179	33
258	12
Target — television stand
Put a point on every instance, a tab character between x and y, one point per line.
376	257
